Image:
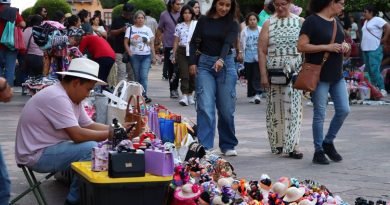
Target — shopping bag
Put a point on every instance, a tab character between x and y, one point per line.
19	41
159	162
167	130
153	123
8	36
101	106
116	108
100	156
180	133
136	114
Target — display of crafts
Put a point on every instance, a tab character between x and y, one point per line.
211	180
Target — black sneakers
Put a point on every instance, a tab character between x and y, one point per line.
330	150
320	158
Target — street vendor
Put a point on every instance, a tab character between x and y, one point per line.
54	129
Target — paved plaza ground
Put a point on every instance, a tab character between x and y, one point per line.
364	143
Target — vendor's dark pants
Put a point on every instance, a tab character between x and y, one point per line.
105	65
253	77
33	65
172	70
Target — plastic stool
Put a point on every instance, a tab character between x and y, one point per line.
34	186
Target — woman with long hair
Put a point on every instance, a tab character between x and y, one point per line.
183	33
139	44
196	7
216	76
279	58
315	40
97	28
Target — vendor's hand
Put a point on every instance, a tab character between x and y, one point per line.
264	82
334	47
345	47
218	66
193	70
129	52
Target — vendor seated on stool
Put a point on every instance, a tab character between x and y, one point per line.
54	129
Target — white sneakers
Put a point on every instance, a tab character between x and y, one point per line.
230	153
255	99
384	92
191	100
187	100
184	100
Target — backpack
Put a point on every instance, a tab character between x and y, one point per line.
42	33
8	36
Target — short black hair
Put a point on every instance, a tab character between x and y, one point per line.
372	9
72	20
58	16
183	9
83	14
249	15
70	78
316	6
148	12
35	20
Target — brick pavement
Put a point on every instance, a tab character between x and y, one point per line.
364	143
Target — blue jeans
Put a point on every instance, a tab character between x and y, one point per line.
141	66
216	90
7	65
339	94
5	183
59	157
373	60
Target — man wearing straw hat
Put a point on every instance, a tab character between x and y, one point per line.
54	129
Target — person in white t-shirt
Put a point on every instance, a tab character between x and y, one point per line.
372	30
139	44
354	31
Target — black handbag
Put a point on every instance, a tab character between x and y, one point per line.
278	77
195	150
126	163
125	57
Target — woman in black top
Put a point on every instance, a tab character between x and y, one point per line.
314	41
216	75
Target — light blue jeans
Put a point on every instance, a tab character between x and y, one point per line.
7	65
59	157
373	61
339	94
216	90
141	65
5	183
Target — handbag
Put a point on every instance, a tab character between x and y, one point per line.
309	75
159	162
126	163
167	130
100	156
153	122
116	108
279	77
137	115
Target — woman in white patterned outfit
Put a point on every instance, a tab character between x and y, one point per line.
278	52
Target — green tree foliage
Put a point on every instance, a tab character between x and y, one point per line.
155	6
27	12
109	4
52	6
117	11
247	6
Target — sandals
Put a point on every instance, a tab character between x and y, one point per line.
295	155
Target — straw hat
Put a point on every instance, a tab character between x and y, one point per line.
279	188
84	68
293	194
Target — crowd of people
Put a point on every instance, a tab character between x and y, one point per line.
201	53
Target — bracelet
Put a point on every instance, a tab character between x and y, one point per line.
221	60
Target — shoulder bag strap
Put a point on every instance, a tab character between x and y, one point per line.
173	19
326	55
369	31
